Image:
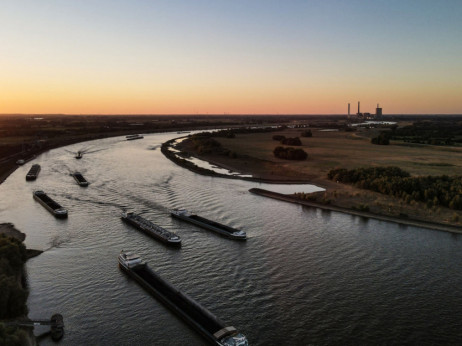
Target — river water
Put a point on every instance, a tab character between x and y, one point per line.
303	277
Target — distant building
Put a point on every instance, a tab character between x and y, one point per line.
359	114
378	111
367	115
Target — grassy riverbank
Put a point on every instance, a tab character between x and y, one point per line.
330	149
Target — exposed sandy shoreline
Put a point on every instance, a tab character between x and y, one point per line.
338	197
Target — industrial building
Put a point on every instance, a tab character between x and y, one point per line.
363	116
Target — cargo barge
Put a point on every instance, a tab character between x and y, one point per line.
133	137
50	205
33	172
202	320
80	179
210	225
152	229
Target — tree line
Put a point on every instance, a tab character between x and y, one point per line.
13	297
433	190
434	132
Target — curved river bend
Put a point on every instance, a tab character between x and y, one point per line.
304	276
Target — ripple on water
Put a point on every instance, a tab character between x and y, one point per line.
304	276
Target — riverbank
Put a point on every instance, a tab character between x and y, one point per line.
254	157
14	304
9	230
399	220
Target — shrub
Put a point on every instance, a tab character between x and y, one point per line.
290	153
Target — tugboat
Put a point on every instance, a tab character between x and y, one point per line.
80	179
79	155
202	320
152	229
33	172
50	205
214	226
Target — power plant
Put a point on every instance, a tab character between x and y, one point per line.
378	113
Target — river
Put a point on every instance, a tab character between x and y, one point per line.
303	277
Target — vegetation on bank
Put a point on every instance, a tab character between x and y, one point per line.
13	336
204	143
434	132
13	296
433	190
290	153
287	141
12	258
306	133
382	139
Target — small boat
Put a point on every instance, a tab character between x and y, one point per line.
152	229
49	204
33	172
79	155
200	318
80	179
132	137
214	226
20	162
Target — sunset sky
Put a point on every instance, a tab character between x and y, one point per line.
235	57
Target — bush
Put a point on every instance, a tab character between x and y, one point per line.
382	139
290	153
12	296
12	336
13	251
431	190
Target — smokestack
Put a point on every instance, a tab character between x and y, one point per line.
358	107
348	110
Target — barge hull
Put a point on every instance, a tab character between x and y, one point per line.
209	225
164	291
50	205
33	172
150	233
153	234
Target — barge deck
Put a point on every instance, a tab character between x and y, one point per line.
53	207
152	229
211	327
33	172
210	225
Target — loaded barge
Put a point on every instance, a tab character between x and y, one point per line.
133	137
214	226
33	172
80	179
50	205
206	323
152	229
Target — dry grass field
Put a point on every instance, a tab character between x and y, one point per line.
331	149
